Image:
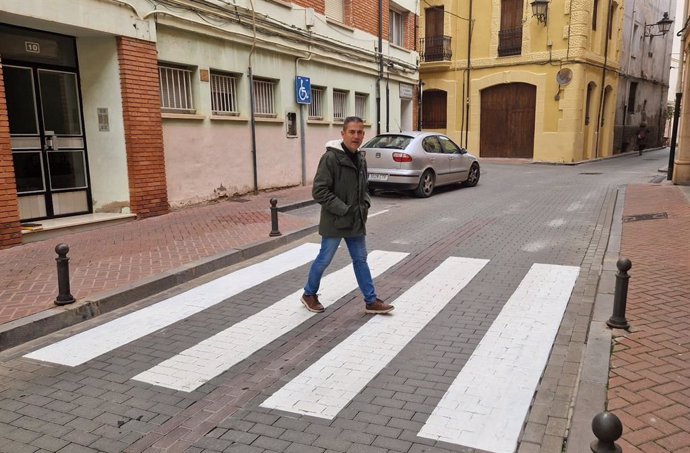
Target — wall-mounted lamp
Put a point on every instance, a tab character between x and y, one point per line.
540	9
663	26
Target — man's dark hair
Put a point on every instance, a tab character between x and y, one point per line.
351	119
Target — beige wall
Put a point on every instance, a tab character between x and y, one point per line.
207	157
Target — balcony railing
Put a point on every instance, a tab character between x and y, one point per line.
510	42
435	48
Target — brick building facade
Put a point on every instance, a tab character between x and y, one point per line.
139	107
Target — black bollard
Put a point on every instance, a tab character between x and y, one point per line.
620	298
274	218
606	428
64	296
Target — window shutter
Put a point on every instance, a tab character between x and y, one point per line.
334	10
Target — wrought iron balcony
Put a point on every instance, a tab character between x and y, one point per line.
435	48
510	42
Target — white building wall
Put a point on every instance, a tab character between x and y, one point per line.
208	157
100	88
82	17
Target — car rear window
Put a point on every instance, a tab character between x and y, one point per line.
389	141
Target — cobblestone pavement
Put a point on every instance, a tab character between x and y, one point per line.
649	381
118	256
509	220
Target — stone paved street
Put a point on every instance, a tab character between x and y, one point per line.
522	219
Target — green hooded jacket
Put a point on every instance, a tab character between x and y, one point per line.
341	191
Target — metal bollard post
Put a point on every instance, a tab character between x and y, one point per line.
274	218
606	428
620	298
64	296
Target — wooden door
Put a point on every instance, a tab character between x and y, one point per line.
434	108
507	121
510	35
433	34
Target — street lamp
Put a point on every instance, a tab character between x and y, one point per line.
540	9
663	26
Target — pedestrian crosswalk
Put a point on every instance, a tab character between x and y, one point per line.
487	403
484	407
195	366
327	386
88	345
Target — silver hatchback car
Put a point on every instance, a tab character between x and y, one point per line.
418	161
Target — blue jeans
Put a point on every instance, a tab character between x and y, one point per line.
358	252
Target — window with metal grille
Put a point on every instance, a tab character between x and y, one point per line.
176	89
317	101
264	98
361	105
335	9
396	26
339	105
223	94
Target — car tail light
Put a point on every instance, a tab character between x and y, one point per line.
402	157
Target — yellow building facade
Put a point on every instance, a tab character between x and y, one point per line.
504	82
681	159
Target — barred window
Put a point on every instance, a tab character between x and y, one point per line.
224	94
176	89
396	25
264	98
361	105
339	105
317	100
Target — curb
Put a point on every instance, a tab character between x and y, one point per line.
40	324
593	381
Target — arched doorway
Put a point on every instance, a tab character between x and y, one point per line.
507	121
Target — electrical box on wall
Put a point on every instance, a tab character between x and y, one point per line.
309	18
291	124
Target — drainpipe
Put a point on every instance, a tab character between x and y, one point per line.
627	78
603	79
380	76
388	96
251	101
469	78
420	106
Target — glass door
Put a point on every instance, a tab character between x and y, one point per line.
48	146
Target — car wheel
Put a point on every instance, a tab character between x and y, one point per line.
473	175
371	191
426	185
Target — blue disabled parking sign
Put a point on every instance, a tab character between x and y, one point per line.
303	90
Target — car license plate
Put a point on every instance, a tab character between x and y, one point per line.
378	177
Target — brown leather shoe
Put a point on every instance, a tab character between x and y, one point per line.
378	307
312	303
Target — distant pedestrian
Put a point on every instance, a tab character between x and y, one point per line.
641	137
340	187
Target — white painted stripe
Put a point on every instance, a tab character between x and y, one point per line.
485	407
327	386
208	359
377	213
87	345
